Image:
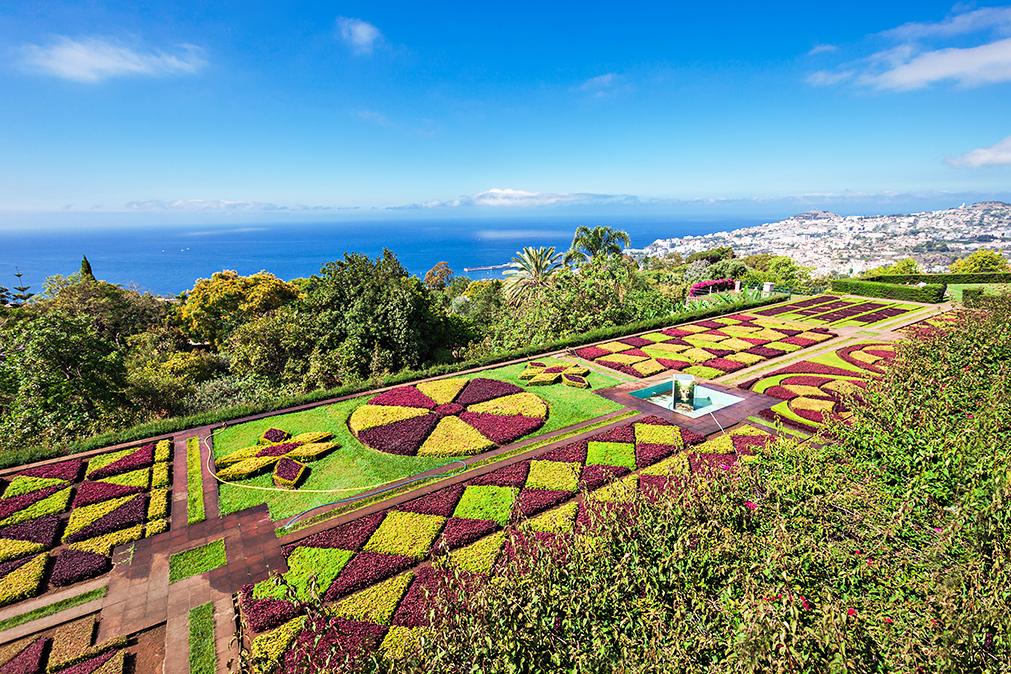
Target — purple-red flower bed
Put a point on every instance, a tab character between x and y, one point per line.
707	462
574	453
142	458
264	614
514	475
555	370
624	433
789	421
716	286
673	364
41	531
724	364
765	351
275	435
404	396
95	492
129	515
596	476
413	609
401	437
480	390
806	380
15	503
743	444
364	569
349	536
780	392
278	450
635	341
442	503
65	470
675	332
28	661
655	486
89	666
799	341
501	428
344	641
73	566
647	454
533	501
459	532
592	352
14	565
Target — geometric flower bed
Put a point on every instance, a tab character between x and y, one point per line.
833	310
447	417
813	390
117	498
938	321
276	449
373	570
541	374
706	349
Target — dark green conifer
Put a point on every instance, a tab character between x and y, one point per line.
86	274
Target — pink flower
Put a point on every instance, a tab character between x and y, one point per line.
888	621
851	612
749	504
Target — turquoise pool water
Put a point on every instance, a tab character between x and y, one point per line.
706	399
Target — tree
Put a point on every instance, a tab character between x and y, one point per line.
713	255
532	269
22	295
981	261
439	276
61	380
697	271
217	306
734	269
904	266
86	273
590	243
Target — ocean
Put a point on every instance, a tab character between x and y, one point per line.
166	260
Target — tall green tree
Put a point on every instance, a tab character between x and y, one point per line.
982	261
590	243
60	380
532	269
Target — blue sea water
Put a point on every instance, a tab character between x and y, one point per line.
166	260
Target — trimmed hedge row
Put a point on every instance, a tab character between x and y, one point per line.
995	277
931	293
155	428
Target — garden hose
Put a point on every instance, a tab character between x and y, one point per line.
364	492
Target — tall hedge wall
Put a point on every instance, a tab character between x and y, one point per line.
152	430
1001	277
933	292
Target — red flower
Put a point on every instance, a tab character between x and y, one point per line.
851	612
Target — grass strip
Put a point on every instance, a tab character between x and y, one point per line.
203	657
194	482
182	565
51	609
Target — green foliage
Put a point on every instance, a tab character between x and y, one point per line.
439	276
487	503
306	566
59	380
981	261
182	565
406	534
904	266
778	269
83	516
532	271
24	581
997	277
52	609
929	293
24	484
51	505
713	255
734	269
590	243
215	307
203	656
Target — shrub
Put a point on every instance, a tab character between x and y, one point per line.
29	660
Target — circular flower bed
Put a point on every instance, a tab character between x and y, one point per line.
448	417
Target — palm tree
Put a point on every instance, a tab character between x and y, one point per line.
589	243
532	269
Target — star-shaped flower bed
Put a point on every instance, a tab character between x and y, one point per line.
448	417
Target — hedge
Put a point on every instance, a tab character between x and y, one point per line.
154	429
931	293
994	277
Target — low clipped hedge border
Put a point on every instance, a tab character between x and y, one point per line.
931	293
18	457
994	277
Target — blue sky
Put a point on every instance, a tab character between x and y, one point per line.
197	111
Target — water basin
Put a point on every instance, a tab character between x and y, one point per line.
706	399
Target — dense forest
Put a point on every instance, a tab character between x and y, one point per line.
82	356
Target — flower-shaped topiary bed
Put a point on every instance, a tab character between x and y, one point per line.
374	572
61	521
814	390
706	349
447	417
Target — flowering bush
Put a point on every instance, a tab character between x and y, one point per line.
73	566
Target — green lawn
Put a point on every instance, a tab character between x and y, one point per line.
182	565
354	466
988	289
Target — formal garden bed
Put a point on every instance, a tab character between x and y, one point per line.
70	648
60	522
374	440
814	390
374	571
706	349
839	311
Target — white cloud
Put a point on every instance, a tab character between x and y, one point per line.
973	66
374	117
998	154
987	18
215	205
509	198
604	85
93	59
824	78
822	48
360	35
